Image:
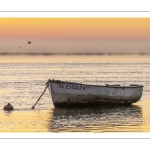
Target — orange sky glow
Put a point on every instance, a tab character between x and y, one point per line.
75	28
75	35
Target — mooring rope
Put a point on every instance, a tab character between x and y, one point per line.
47	84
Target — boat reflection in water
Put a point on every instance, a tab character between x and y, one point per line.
101	119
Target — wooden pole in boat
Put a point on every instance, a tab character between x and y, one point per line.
47	84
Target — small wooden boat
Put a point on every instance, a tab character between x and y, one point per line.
65	94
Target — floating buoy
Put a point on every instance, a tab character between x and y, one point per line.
8	107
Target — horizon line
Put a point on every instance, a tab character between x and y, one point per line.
74	54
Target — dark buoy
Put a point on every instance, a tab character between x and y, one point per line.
8	107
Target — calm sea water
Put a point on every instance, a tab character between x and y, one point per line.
23	78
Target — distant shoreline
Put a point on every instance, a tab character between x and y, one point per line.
49	54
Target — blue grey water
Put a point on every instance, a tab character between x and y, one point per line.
23	78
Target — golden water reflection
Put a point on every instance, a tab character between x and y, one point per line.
23	79
25	121
102	119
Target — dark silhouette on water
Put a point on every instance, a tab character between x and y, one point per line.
8	107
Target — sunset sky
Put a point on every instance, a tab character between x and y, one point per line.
75	35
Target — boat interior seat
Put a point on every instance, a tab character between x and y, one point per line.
115	85
134	85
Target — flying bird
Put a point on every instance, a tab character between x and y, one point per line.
29	42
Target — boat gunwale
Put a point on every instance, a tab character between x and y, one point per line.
109	86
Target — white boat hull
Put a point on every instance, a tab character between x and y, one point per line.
66	94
